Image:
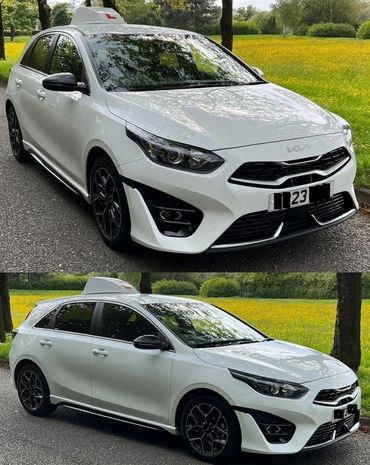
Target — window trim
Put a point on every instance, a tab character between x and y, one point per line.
99	323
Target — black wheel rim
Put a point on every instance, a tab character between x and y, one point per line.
30	390
106	203
206	430
14	132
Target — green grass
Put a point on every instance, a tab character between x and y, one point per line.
335	73
306	322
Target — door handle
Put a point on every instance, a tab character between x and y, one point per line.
101	352
41	94
46	342
18	83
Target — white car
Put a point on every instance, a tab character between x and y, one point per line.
183	366
177	144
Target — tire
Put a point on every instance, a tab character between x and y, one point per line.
109	205
219	433
16	138
33	391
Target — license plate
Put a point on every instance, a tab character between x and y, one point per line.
300	197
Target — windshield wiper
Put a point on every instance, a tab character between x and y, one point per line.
189	85
224	343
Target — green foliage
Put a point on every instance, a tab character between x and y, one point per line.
335	11
61	14
174	287
239	27
219	287
364	30
301	30
331	30
19	15
140	12
288	14
244	13
266	22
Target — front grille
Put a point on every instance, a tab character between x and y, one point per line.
269	172
330	396
326	431
263	225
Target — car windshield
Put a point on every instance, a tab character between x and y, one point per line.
134	62
199	324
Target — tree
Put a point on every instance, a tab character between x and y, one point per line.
110	4
226	24
2	37
347	337
61	14
244	13
266	22
6	324
288	14
88	2
19	15
333	11
44	14
145	286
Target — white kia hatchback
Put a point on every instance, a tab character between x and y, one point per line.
177	144
183	366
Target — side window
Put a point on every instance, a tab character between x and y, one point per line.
39	54
75	317
66	58
45	321
124	323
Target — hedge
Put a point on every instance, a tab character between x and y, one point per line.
332	30
174	287
364	30
239	28
219	287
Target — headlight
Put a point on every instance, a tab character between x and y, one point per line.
271	387
173	154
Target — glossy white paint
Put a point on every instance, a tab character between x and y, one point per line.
114	377
242	123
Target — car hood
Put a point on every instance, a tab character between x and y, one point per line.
223	117
274	359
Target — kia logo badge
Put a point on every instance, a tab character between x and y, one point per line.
297	148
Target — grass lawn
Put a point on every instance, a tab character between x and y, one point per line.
306	322
335	73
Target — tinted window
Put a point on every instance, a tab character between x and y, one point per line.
39	55
75	317
149	62
125	324
66	58
45	321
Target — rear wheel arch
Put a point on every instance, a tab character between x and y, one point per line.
23	363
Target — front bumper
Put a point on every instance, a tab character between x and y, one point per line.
308	418
223	203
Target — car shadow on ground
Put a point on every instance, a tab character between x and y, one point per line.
173	444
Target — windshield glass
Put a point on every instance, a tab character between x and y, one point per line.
199	324
150	62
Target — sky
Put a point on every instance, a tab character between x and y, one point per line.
260	4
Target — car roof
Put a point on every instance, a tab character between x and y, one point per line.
125	29
141	299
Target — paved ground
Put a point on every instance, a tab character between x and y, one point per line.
67	438
44	227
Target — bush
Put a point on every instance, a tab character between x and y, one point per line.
266	22
364	30
301	30
239	27
174	287
219	287
332	30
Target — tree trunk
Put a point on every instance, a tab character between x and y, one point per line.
145	286
347	338
12	33
226	24
110	4
44	14
2	38
88	2
6	324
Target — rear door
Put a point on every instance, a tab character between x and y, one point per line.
126	380
66	349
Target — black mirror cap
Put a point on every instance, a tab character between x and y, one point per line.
63	82
151	342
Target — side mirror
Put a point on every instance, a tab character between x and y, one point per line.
258	71
63	82
151	342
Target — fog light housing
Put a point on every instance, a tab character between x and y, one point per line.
276	430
